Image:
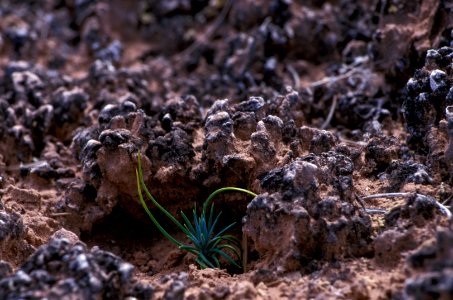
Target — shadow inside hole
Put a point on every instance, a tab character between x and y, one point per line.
121	233
125	234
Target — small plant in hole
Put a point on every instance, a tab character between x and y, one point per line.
208	244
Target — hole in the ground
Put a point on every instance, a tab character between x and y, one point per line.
120	233
137	240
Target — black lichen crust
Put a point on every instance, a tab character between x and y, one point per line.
428	93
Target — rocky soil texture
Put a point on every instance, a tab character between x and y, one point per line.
337	114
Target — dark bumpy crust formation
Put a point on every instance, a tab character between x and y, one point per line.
310	104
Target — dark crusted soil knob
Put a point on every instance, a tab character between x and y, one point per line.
428	93
449	151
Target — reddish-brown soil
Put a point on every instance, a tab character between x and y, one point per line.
312	105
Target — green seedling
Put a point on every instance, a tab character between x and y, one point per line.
207	244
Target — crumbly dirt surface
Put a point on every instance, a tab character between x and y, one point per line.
312	105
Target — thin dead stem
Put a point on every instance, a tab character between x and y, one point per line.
439	205
211	30
244	252
333	79
294	75
331	112
375	211
352	143
62	214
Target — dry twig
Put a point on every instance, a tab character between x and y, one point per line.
440	206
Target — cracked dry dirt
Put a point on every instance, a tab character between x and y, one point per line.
313	105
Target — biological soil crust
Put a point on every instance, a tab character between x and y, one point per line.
312	105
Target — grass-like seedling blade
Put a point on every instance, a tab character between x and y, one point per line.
226	189
207	245
161	229
143	185
227	257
